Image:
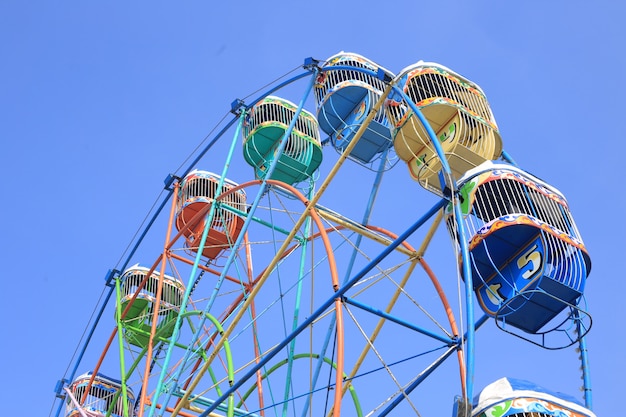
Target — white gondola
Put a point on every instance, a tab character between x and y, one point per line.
509	397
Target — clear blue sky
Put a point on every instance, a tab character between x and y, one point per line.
99	101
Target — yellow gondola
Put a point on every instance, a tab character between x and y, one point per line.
457	111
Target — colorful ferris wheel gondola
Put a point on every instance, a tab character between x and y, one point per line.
98	396
198	190
137	300
266	124
508	397
528	260
458	113
344	98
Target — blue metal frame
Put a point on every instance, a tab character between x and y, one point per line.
325	305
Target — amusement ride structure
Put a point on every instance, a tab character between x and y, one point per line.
281	290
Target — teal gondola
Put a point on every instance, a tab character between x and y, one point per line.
104	396
265	126
345	97
527	258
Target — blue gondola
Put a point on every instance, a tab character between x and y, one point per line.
138	320
509	397
344	99
103	396
458	113
263	130
528	260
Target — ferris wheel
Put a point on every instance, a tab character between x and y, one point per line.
281	289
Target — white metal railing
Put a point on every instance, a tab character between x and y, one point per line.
99	398
424	85
275	110
333	79
202	187
171	292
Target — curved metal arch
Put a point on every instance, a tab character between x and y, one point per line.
276	366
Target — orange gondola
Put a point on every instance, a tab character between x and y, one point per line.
198	189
